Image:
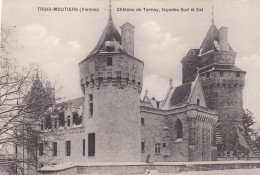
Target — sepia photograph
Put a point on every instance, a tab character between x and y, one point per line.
129	87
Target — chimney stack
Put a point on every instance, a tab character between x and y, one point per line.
223	39
127	35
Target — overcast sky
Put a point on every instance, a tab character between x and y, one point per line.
58	41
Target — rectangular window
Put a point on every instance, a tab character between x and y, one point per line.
164	145
142	121
207	74
54	148
127	75
62	119
109	61
68	148
91	105
221	73
83	147
42	125
91	144
157	148
68	121
238	74
143	147
40	149
55	123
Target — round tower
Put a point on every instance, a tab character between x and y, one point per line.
111	80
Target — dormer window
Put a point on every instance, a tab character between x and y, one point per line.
198	102
109	61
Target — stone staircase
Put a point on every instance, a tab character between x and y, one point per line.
253	146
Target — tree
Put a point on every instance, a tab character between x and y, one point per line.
248	122
26	99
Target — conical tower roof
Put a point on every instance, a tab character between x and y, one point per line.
208	42
110	40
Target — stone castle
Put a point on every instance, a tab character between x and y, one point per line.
200	120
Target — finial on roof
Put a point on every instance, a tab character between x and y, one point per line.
212	14
110	10
37	74
171	80
146	92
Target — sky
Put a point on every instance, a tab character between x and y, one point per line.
58	41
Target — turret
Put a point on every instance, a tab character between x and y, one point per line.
111	81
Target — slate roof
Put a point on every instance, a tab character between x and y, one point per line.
181	94
208	42
108	34
77	102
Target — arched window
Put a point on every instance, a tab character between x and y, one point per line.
179	129
198	102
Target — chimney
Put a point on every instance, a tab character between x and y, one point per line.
223	39
127	35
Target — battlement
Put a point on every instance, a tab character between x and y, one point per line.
120	82
223	79
218	57
119	70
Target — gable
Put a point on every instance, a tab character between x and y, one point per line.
197	94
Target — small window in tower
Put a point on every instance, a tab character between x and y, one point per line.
198	102
68	120
143	147
68	148
164	145
142	121
54	148
207	74
91	144
109	61
221	73
91	105
157	148
228	153
238	74
83	147
40	149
